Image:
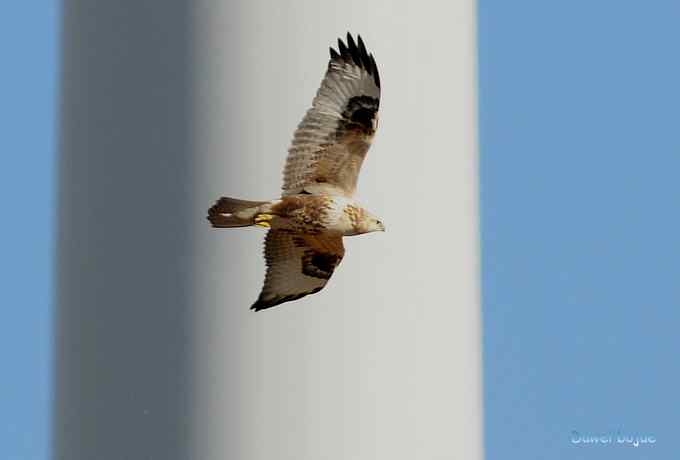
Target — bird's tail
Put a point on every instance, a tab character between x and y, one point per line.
231	212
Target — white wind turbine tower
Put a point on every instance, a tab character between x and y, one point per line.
167	105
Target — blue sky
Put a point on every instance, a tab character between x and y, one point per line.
27	91
580	151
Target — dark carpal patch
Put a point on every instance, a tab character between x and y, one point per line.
318	264
359	115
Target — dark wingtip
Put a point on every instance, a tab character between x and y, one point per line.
356	53
262	304
365	58
342	48
360	42
259	306
353	50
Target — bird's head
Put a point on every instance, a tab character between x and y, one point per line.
358	221
370	223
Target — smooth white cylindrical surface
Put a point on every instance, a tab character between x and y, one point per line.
168	105
123	356
384	363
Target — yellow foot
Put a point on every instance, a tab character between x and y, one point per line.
263	220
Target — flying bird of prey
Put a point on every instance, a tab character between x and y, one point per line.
316	210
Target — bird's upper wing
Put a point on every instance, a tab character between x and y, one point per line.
331	142
297	265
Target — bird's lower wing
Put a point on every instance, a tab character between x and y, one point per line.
297	265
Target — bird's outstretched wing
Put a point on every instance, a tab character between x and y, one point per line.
331	142
297	265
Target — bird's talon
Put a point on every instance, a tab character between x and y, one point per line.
263	220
